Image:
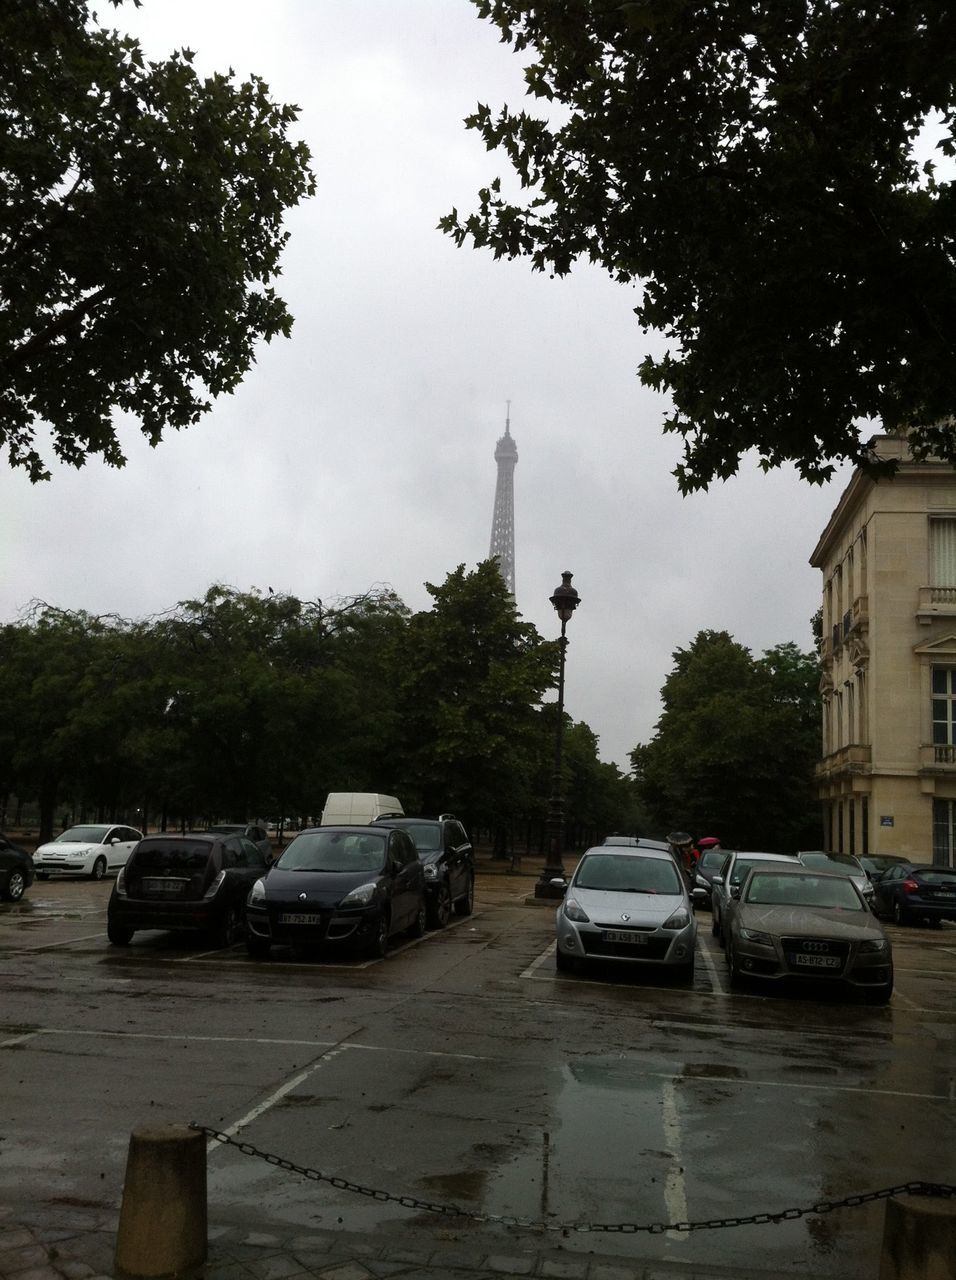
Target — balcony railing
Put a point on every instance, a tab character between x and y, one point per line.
936	602
854	758
938	757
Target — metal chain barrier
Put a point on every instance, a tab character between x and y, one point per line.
939	1189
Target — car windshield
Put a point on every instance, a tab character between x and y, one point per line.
836	861
794	890
326	850
712	859
427	835
613	873
170	855
83	835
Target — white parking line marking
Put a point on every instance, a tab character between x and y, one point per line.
542	959
711	969
50	946
276	1096
675	1189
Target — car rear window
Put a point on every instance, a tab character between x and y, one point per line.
427	835
937	877
712	859
177	855
742	866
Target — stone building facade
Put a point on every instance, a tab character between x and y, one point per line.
887	777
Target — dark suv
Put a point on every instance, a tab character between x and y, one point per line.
449	862
195	881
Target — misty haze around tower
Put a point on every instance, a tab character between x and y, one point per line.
503	520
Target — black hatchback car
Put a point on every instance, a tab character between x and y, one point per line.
448	860
16	870
341	887
194	881
911	892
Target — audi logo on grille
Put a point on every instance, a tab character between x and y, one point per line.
816	946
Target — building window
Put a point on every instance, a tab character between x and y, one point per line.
864	825
944	832
852	816
944	705
942	553
840	826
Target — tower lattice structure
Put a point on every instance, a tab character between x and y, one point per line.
503	520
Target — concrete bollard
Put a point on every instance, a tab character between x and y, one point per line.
919	1239
162	1225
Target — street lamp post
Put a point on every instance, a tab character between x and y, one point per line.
565	601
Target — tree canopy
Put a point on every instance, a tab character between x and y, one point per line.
753	164
140	227
734	751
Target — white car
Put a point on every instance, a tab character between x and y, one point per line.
89	850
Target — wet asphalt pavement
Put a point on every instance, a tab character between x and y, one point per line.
463	1074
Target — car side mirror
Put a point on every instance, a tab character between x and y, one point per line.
717	880
559	882
115	840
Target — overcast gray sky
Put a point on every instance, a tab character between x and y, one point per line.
361	450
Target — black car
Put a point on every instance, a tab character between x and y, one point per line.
195	881
916	891
707	866
448	860
339	887
16	870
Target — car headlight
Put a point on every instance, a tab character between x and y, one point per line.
361	896
257	894
431	871
874	944
574	912
758	936
679	920
121	882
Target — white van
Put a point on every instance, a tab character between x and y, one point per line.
356	808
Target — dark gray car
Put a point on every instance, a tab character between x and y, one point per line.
794	923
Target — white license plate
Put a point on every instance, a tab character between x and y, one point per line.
163	886
947	896
624	935
298	917
817	962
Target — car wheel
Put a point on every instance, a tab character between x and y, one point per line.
900	914
439	908
14	888
736	977
565	963
466	903
99	869
258	948
230	929
378	947
119	936
417	927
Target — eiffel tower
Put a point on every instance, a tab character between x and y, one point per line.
503	520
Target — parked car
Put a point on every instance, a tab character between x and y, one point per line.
626	904
448	861
876	864
339	887
913	891
725	885
708	866
89	850
251	830
844	864
797	923
16	870
197	881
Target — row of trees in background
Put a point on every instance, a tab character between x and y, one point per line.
734	750
244	704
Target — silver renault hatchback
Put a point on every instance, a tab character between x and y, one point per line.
629	905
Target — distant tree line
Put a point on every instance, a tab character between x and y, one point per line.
243	704
734	750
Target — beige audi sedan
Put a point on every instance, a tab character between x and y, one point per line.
794	924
